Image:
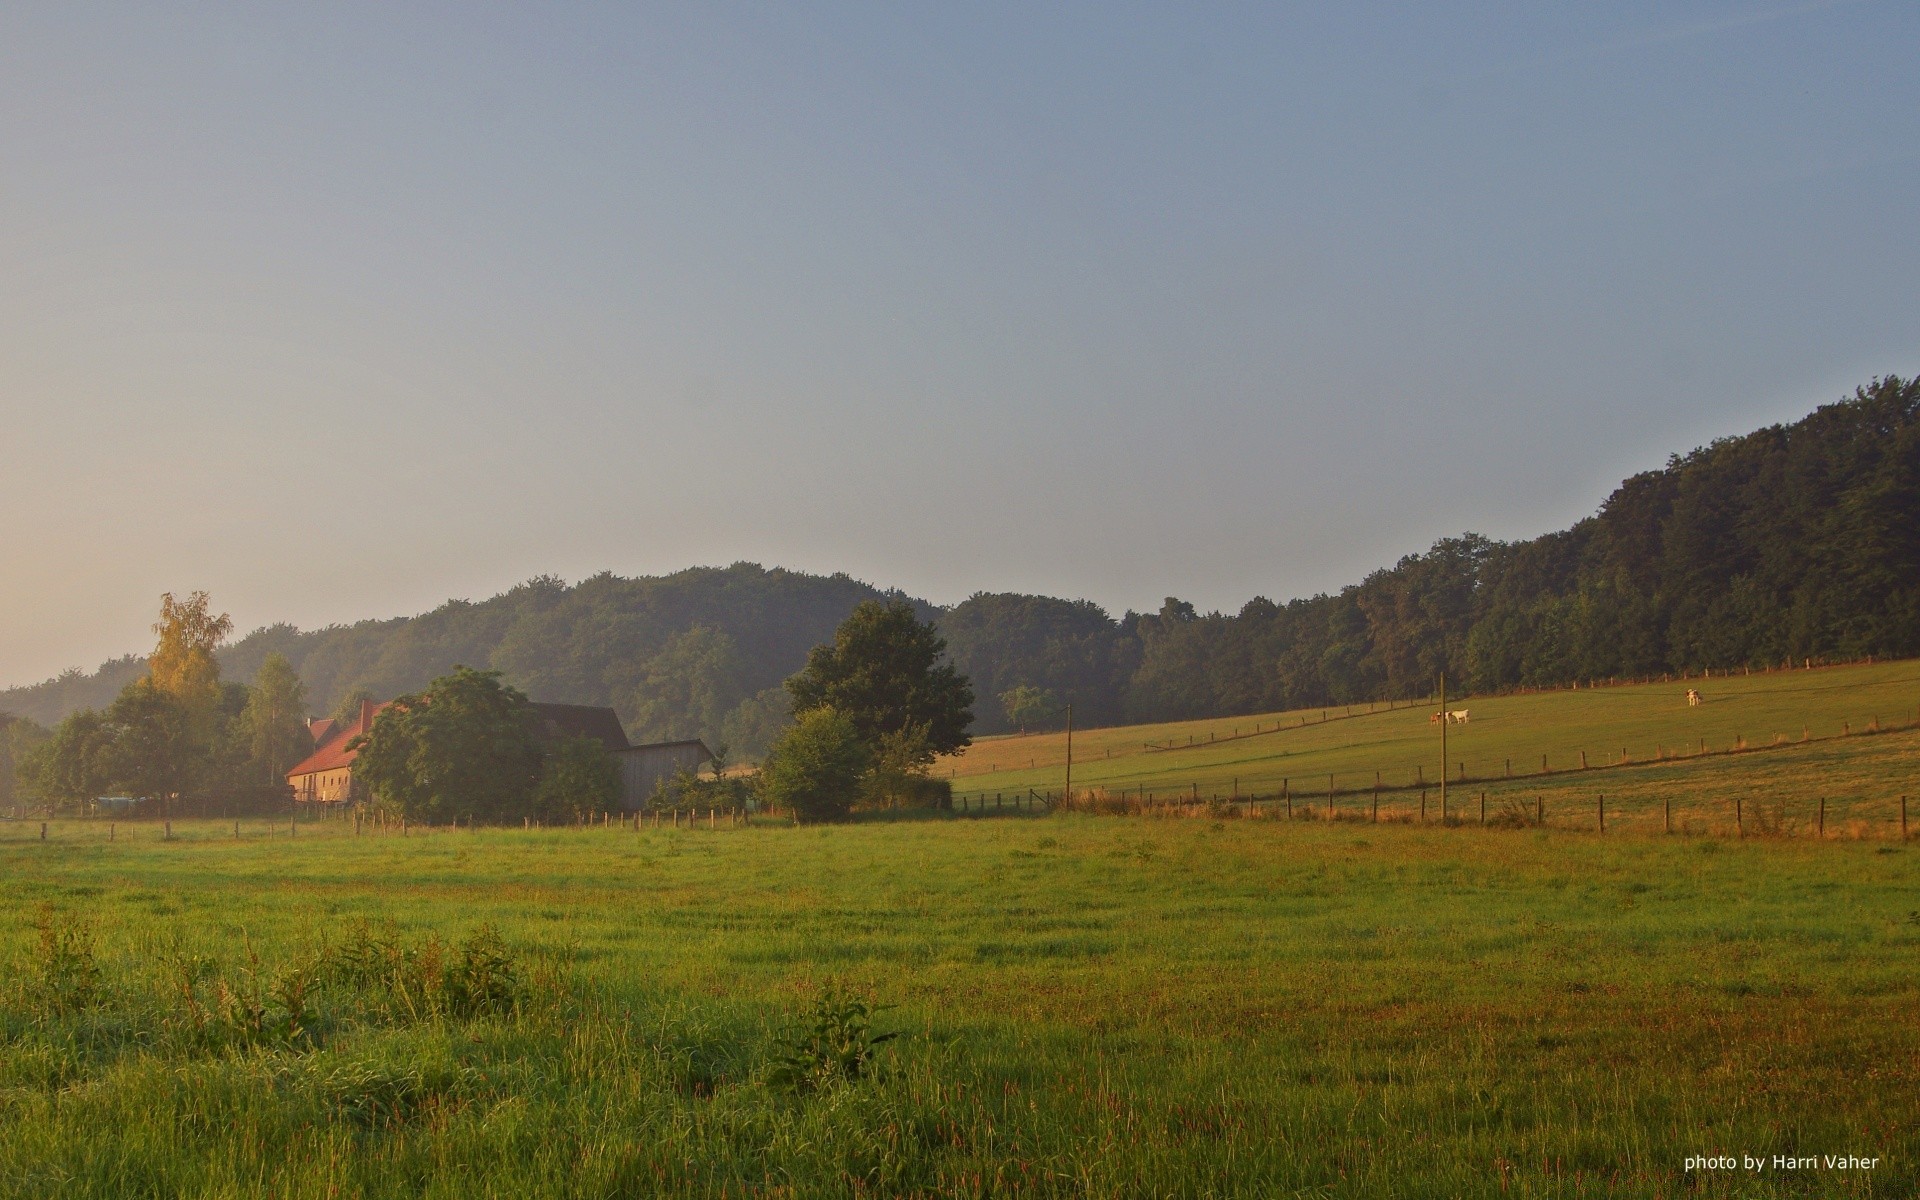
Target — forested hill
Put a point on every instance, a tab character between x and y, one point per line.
701	652
1795	541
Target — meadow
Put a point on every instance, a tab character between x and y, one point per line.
1772	743
1084	1006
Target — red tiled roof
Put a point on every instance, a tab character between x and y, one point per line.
332	753
320	728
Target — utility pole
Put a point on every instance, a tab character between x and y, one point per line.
1443	745
1069	795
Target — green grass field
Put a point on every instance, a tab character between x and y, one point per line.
1087	1006
1779	741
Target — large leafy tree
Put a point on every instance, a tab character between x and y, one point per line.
465	747
274	721
885	673
154	752
816	767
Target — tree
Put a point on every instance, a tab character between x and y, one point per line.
884	673
155	752
348	710
816	767
18	738
70	767
1023	704
182	665
274	723
578	779
464	747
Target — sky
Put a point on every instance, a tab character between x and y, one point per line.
338	311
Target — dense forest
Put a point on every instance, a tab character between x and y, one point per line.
1794	541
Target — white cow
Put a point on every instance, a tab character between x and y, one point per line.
1693	699
1457	716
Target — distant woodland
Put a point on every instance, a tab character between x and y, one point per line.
1796	541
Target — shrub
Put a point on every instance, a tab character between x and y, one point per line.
815	768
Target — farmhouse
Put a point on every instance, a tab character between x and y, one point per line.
326	775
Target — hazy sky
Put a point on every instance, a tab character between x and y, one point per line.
339	311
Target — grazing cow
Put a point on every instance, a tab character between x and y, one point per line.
1693	699
1435	718
1457	716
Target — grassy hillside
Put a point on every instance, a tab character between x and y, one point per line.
1087	1007
1792	734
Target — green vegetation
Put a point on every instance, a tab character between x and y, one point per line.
885	672
172	737
1084	1006
465	747
816	767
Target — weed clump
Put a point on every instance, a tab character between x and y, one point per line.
68	974
835	1045
477	977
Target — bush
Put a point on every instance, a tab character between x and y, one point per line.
815	769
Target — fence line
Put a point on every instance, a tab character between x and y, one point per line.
1873	728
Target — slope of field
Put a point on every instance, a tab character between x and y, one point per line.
1087	1007
1535	739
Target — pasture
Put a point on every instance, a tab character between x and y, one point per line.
1086	1006
1778	741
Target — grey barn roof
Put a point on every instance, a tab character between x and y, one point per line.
581	720
705	753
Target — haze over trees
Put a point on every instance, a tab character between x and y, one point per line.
1791	542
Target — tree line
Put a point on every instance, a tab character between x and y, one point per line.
175	738
1792	542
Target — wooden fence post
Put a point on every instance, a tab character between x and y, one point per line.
1668	804
1423	806
1823	816
1539	810
1739	817
1903	818
1483	808
1603	812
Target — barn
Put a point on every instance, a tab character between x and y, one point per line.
644	770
